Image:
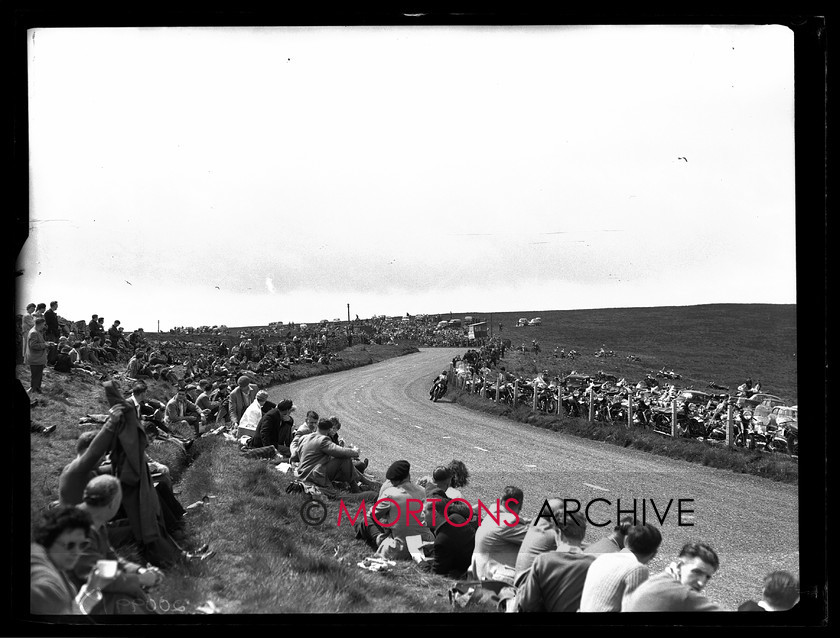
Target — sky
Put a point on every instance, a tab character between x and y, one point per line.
238	176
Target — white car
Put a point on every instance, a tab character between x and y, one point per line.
536	321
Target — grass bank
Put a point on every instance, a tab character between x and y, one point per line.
772	466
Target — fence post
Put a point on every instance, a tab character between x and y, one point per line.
591	404
534	407
515	391
498	387
629	410
472	382
674	418
559	399
729	437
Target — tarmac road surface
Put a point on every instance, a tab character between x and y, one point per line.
385	410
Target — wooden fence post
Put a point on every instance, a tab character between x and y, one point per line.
629	410
673	418
534	406
729	433
498	387
515	391
559	399
591	404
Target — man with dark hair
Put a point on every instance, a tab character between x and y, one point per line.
53	329
780	593
181	411
323	463
615	575
555	581
275	428
436	498
454	542
499	538
615	541
679	587
242	396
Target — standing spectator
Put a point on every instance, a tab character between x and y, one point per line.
93	327
555	582
26	325
615	575
679	587
101	330
36	355
130	464
497	543
53	329
40	309
780	593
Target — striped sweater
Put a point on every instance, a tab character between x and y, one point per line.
610	579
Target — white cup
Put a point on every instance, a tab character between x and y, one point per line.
107	568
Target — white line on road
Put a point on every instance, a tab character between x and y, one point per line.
596	487
530	466
447	437
418	427
481	448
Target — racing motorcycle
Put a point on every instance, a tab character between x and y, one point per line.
438	391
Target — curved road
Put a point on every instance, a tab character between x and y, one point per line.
385	410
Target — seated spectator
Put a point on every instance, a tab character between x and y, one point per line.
78	472
180	411
275	428
436	498
254	413
679	587
265	403
454	542
63	363
460	478
137	368
324	463
615	541
779	593
205	403
497	543
240	398
102	499
614	576
309	426
395	520
555	580
336	438
539	539
59	538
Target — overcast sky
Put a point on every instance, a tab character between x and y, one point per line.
239	176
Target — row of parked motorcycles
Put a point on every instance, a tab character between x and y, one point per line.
610	406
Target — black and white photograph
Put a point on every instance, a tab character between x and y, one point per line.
422	315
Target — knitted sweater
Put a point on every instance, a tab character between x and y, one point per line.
610	580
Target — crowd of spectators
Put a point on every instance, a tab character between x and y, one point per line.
113	490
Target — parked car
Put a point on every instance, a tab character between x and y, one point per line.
765	405
693	396
576	382
536	321
778	415
523	321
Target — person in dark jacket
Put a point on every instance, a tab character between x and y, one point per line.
275	428
53	329
454	542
